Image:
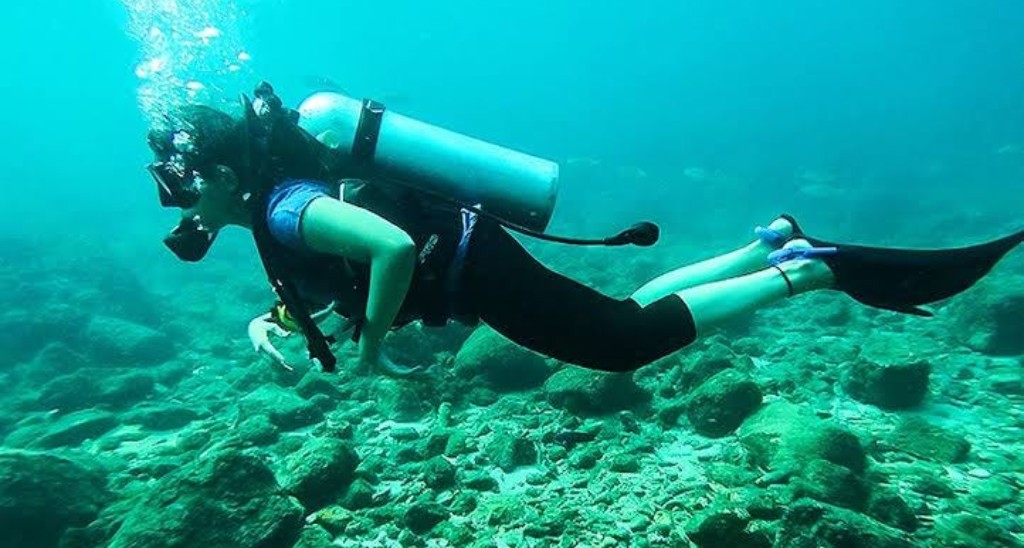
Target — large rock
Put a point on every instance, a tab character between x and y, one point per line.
718	528
227	499
75	428
699	367
919	438
93	386
161	416
320	471
121	343
809	523
501	364
972	530
891	386
285	409
587	392
510	450
43	495
991	322
53	360
783	437
721	403
823	460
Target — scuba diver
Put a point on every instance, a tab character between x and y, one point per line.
384	220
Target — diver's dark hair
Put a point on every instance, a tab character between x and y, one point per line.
216	137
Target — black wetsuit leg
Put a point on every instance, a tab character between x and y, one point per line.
554	315
904	279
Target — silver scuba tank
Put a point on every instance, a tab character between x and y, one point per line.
384	145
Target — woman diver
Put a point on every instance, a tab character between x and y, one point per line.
390	250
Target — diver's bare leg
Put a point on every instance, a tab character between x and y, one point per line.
716	302
745	260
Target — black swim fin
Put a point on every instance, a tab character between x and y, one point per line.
904	279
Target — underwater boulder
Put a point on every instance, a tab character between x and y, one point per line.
719	405
54	360
833	484
73	429
502	365
701	366
421	345
43	495
161	416
810	523
889	386
972	530
423	516
891	509
226	499
717	527
990	322
438	473
284	408
587	392
320	471
783	437
920	438
117	342
314	536
69	392
510	450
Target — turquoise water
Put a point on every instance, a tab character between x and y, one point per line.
129	380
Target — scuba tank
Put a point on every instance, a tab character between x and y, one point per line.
515	189
379	144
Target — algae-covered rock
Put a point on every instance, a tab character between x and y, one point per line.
43	495
438	473
890	509
70	392
315	383
257	431
990	322
721	403
421	517
510	451
699	367
127	389
91	386
970	530
718	527
227	499
783	437
928	441
55	359
359	495
73	429
890	386
587	392
161	416
285	409
120	343
480	481
501	364
314	536
320	471
403	400
833	484
808	523
993	493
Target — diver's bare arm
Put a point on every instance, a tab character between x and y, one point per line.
335	227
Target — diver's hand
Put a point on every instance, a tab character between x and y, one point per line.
260	329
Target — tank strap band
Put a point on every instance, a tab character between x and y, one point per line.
364	146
